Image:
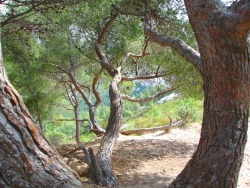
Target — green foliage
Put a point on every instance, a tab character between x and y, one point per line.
29	57
88	137
191	106
158	114
56	137
103	115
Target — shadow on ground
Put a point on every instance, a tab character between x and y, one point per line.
143	163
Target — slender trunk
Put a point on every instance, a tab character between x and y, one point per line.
76	112
95	126
111	134
40	121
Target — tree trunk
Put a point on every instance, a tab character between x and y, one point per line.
111	134
95	126
27	159
226	74
76	107
40	122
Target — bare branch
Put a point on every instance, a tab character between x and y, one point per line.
178	45
104	60
81	120
68	95
143	53
131	99
94	88
106	28
79	49
74	82
157	75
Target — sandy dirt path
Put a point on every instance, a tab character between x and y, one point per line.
154	160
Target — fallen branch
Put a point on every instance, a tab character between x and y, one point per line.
155	129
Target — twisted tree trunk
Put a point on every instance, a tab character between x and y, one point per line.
111	134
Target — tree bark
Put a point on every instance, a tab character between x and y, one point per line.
27	158
221	33
96	128
111	134
225	70
76	112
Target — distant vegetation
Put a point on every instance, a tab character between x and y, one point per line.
135	116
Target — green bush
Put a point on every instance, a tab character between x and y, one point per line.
88	137
57	138
158	114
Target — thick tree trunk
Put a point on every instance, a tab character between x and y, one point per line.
218	158
226	73
111	134
27	159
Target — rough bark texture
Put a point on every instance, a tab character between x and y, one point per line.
111	134
221	35
224	64
96	169
27	159
113	127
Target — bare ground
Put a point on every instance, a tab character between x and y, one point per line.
154	160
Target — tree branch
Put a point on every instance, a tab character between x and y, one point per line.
143	53
131	99
157	75
242	10
106	28
154	129
188	53
81	120
96	93
74	82
104	60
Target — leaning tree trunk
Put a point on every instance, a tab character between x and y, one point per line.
111	134
226	74
27	158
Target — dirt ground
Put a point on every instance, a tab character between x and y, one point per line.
154	160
